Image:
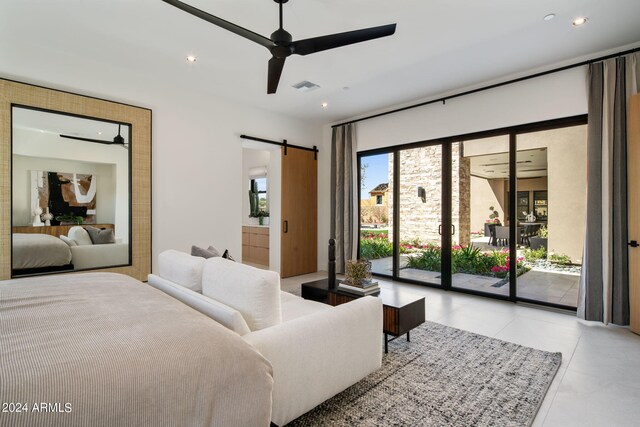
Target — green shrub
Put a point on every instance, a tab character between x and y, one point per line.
562	259
467	260
428	259
533	255
543	232
374	248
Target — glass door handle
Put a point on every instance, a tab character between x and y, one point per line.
440	229
453	229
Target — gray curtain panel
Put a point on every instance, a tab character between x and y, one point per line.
343	198
604	283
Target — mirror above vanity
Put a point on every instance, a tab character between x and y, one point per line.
75	176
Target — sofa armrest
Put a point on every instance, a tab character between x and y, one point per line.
217	311
315	357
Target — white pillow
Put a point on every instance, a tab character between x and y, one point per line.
68	241
255	293
181	268
80	236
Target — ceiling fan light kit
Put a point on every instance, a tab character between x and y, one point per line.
281	44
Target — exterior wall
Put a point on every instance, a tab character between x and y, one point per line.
484	194
422	167
567	186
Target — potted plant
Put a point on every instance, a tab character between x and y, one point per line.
494	219
540	239
262	214
68	219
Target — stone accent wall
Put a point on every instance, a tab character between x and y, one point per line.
420	219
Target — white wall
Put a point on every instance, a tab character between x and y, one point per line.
196	155
197	169
45	151
548	97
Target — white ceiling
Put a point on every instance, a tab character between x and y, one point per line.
62	124
530	164
439	46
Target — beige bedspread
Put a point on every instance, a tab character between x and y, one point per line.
38	251
103	349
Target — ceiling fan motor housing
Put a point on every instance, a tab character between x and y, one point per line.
284	43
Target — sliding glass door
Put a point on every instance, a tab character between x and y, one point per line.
376	212
499	213
420	214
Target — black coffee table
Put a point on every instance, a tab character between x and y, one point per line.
401	311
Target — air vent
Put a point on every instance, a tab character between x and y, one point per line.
306	86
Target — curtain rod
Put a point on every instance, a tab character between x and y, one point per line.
493	86
283	144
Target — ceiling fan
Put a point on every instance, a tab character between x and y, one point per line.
281	44
117	140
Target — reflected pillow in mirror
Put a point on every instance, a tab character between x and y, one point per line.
101	236
68	241
210	252
80	236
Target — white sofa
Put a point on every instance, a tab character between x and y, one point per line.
316	350
84	254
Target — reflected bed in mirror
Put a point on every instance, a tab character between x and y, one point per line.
70	192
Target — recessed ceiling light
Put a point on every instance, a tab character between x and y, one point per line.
579	21
191	58
549	17
99	133
324	105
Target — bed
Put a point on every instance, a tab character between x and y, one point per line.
39	252
106	349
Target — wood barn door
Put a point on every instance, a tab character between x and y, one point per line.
299	242
633	168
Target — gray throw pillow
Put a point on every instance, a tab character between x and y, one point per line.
214	251
204	253
101	236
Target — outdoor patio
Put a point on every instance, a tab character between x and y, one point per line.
537	284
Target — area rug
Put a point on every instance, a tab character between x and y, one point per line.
444	377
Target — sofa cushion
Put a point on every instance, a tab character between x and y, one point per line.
294	307
181	268
68	241
255	293
101	236
80	236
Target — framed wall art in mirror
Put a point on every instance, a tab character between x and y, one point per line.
75	183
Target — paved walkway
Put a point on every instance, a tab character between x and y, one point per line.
537	285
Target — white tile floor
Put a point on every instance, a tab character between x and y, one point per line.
599	381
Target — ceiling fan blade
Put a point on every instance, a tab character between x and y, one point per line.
275	71
99	141
243	32
318	44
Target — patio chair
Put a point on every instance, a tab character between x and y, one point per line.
502	235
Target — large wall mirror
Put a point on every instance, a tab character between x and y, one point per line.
76	179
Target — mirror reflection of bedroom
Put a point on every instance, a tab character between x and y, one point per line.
70	193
